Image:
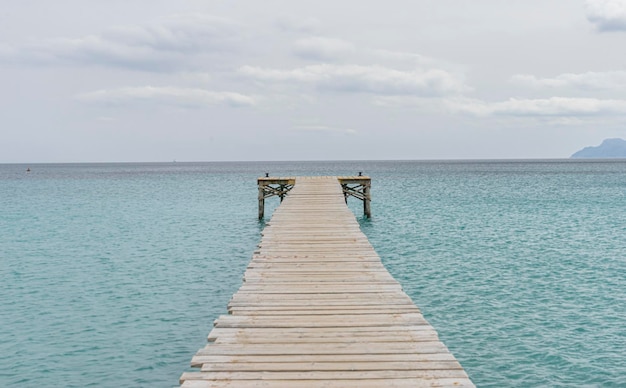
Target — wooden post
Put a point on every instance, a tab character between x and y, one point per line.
282	193
273	186
358	187
261	202
367	197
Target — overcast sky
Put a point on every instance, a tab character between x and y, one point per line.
186	80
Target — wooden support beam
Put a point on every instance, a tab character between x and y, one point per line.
261	202
367	199
353	186
358	187
273	186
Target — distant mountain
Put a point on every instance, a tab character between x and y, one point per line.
610	148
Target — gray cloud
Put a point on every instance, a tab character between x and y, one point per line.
591	80
373	79
322	49
554	106
411	59
324	129
170	96
179	33
173	44
293	24
607	15
566	109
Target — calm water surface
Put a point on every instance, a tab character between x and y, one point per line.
112	274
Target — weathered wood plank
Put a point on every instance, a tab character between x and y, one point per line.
327	375
422	347
199	360
337	320
275	338
320	298
330	366
371	383
320	311
329	308
324	332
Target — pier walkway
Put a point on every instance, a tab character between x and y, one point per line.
318	309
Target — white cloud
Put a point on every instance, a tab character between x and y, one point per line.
293	24
562	108
568	121
179	33
197	77
373	79
6	51
411	59
322	49
180	97
324	129
555	106
607	15
589	80
165	46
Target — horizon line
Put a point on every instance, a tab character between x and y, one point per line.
321	160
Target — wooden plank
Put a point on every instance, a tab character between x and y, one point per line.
261	338
199	360
320	311
371	383
344	307
322	332
325	331
330	366
325	280
349	296
327	287
324	348
298	267
338	320
375	298
330	304
326	375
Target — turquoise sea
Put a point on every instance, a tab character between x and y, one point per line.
112	274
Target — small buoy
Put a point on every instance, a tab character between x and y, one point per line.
28	169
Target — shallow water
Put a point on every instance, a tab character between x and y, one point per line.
112	274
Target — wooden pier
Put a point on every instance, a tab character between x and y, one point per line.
318	309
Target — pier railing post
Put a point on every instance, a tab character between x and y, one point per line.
367	197
358	187
271	187
261	201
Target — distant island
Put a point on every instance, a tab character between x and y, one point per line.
610	148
